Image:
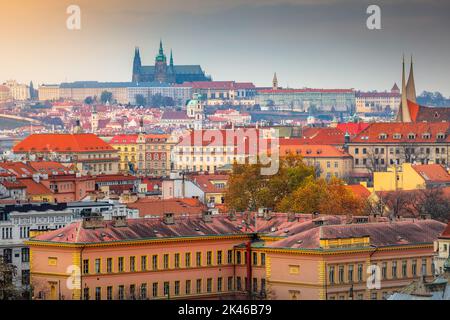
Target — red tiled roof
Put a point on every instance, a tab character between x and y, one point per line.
432	172
83	142
124	139
293	146
219	85
205	182
48	166
157	207
380	233
115	177
19	169
373	133
352	128
34	188
13	184
174	115
326	135
446	233
358	190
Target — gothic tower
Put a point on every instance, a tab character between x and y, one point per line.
161	65
136	65
403	114
410	85
275	82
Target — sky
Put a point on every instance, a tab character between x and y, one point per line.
308	43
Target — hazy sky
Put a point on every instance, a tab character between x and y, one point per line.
309	43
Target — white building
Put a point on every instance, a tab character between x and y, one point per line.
18	91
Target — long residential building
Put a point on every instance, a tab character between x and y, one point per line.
370	102
280	256
301	100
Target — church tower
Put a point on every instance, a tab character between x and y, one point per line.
275	82
410	85
94	120
403	114
136	65
161	65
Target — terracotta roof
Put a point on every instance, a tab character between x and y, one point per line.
430	114
19	169
174	115
115	177
446	233
205	182
219	85
432	172
323	136
83	142
13	184
352	128
157	207
381	234
124	139
386	132
138	229
34	188
358	190
48	167
293	146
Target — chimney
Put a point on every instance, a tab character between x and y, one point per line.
291	217
93	222
207	216
168	218
119	221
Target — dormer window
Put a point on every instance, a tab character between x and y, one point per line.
426	135
397	136
441	135
382	136
411	136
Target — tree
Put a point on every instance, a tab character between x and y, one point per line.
140	100
432	202
106	96
89	100
8	290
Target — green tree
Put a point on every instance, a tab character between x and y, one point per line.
140	100
89	100
106	96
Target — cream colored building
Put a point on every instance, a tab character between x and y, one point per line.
18	91
367	102
5	94
48	92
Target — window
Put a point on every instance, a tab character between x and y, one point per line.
341	274
209	258
255	258
143	291
209	285
109	265
384	270
198	259
219	284
238	283
263	259
120	264
86	293
132	264
166	288
188	287
219	257
143	263
404	268
187	260
394	269
177	288
350	273
199	286
25	255
98	293
155	262
238	257
97	266
121	292
177	260
109	293
132	291
255	285
155	289
230	256
360	272
166	261
86	266
414	268
424	267
263	285
331	274
230	284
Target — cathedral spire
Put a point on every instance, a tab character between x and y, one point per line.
410	86
403	110
161	50
275	82
171	58
136	64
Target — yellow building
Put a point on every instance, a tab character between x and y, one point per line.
410	177
127	146
48	92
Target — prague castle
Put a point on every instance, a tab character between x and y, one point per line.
163	72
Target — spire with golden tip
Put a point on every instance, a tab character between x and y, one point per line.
410	86
403	110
